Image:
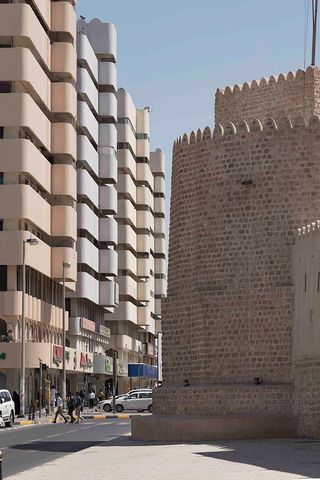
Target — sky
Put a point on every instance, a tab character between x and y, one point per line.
173	55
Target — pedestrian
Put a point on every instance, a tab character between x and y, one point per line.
71	407
32	408
92	397
78	405
101	395
59	411
82	396
16	400
53	392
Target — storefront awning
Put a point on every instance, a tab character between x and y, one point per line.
142	370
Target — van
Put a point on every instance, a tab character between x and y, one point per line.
136	400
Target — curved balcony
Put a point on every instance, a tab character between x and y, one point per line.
108	135
108	74
108	105
126	311
20	110
63	18
88	220
64	140
64	60
88	121
144	196
160	286
86	87
108	165
126	107
144	316
127	236
126	160
159	225
20	155
108	294
144	291
126	211
159	245
143	121
108	230
127	261
18	20
88	187
63	222
126	185
64	180
64	98
60	255
143	265
37	257
21	66
86	54
159	205
88	254
159	184
87	287
88	154
22	202
108	199
125	134
144	219
109	262
143	243
157	162
157	306
144	174
160	266
143	148
103	39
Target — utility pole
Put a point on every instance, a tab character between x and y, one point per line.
314	30
40	387
114	380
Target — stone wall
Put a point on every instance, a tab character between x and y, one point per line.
307	395
294	94
238	194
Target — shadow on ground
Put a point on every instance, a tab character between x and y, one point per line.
296	456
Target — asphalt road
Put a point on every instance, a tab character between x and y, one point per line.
30	446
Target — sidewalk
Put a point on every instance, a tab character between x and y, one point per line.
123	459
86	415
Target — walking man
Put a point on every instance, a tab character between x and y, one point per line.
78	405
59	403
71	406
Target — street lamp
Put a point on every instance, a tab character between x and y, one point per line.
30	241
65	265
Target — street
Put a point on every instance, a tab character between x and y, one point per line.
26	447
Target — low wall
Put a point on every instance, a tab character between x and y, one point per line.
307	396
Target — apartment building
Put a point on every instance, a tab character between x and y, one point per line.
37	183
141	248
96	292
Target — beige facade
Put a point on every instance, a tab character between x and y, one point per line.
38	179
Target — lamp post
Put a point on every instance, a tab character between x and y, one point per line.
65	265
30	241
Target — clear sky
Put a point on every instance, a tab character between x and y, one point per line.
173	54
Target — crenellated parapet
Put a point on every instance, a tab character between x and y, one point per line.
304	230
292	94
267	125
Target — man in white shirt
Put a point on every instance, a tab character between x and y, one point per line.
59	403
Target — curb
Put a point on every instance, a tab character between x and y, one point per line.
24	423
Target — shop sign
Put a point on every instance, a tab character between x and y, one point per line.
88	325
105	331
57	355
122	368
108	367
85	361
3	356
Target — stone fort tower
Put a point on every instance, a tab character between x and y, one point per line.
239	192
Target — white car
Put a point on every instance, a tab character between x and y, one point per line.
143	402
6	408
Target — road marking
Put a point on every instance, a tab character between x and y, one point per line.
55	435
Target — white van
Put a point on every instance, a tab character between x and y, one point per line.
6	408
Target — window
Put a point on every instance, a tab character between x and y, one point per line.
1	132
1	224
1	178
305	282
133	395
5	87
318	288
145	395
3	278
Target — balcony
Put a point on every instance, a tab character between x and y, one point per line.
144	316
126	160
64	60
109	262
64	98
88	254
144	196
127	236
59	255
127	186
159	184
160	266
157	162
127	261
144	219
87	88
108	74
144	174
109	294
108	201
64	140
159	205
143	243
63	18
64	222
126	210
88	220
144	291
143	267
103	38
86	54
87	287
160	286
128	286
88	121
20	155
64	180
126	311
108	135
44	9
87	154
159	245
143	148
108	105
159	225
108	230
88	187
108	165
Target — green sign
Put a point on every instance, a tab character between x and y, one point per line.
107	366
3	356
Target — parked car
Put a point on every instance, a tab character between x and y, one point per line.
6	408
121	400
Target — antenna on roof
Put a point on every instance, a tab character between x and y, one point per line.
314	30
